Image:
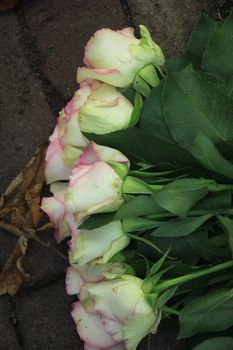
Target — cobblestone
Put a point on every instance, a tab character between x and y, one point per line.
8	339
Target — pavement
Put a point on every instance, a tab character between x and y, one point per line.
41	46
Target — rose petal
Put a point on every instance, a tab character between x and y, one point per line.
73	281
90	328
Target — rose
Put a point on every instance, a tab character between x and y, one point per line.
95	108
77	275
64	220
95	188
115	57
98	245
54	207
114	312
105	110
55	168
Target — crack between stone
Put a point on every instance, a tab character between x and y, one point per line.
224	8
126	9
15	324
36	62
27	290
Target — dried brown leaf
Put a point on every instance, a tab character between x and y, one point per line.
46	226
13	274
20	204
7	5
33	200
20	214
31	175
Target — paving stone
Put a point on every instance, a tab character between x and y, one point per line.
165	338
7	243
45	261
61	30
170	22
25	115
44	320
8	339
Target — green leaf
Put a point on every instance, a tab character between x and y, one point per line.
179	196
149	74
197	43
147	242
227	224
132	185
180	248
138	206
152	120
180	227
198	40
216	343
208	313
195	102
141	86
130	94
155	278
206	249
156	266
175	64
218	56
166	296
142	147
216	201
138	224
96	220
209	156
138	104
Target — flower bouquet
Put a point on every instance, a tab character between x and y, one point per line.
140	167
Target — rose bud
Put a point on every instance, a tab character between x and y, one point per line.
54	207
114	312
97	246
77	275
116	57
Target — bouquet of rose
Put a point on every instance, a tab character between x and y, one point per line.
140	167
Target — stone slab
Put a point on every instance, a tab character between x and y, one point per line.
44	320
45	261
8	339
25	116
61	30
7	243
170	22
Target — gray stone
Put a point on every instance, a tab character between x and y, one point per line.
8	339
61	30
170	22
25	115
45	260
7	243
44	320
165	338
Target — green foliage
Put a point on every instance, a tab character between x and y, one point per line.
216	343
207	313
178	195
180	227
218	56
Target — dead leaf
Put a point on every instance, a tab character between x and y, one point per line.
13	274
7	5
33	200
20	214
20	204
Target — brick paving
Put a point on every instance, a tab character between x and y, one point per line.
42	44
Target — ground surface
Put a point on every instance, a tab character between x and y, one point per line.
41	45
